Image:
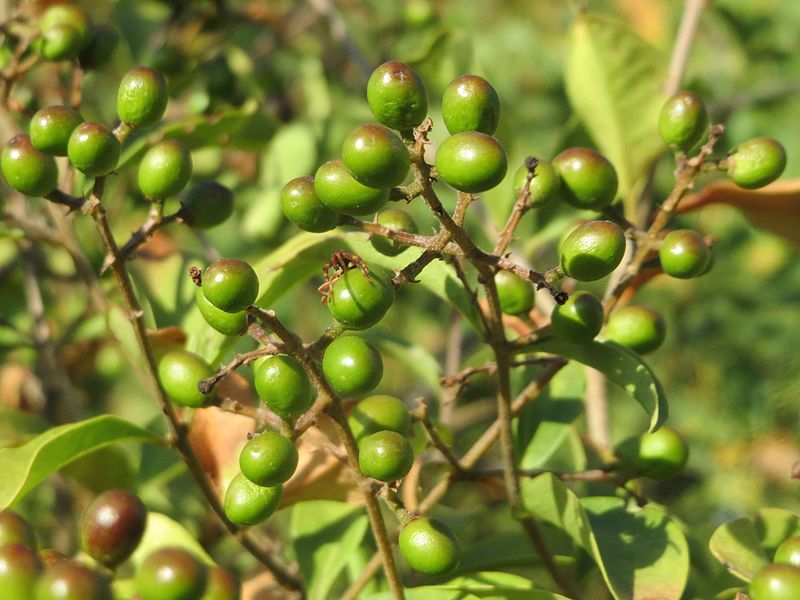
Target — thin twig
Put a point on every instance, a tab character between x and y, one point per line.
683	44
421	414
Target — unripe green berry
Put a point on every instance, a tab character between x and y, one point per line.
396	220
579	319
222	585
659	455
637	327
248	504
224	322
514	293
230	284
376	156
180	372
385	456
66	13
684	254
429	546
165	170
471	161
683	120
756	162
302	207
379	413
337	189
352	366
470	103
396	96
51	128
112	527
16	530
206	205
60	42
544	186
775	582
26	169
592	250
99	49
69	580
268	459
19	570
588	179
282	384
359	300
142	97
788	553
93	149
171	573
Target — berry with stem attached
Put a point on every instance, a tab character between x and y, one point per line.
376	156
659	455
248	504
359	300
26	169
301	205
588	179
93	149
592	250
142	97
429	546
282	384
470	103
230	284
352	365
165	170
756	162
112	527
337	189
471	161
180	372
268	459
639	328
684	254
171	573
385	456
396	96
51	128
229	323
544	186
579	319
206	205
683	120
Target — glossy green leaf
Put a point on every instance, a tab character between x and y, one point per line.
489	585
736	545
324	535
546	423
621	366
613	80
26	466
162	531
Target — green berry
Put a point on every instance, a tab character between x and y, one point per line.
756	162
429	546
16	530
180	372
775	582
385	456
514	293
396	220
93	149
396	96
206	205
379	413
99	50
165	170
376	156
222	585
69	580
337	189
544	186
360	300
684	254
302	207
592	250
470	103
51	128
142	97
788	553
26	169
171	573
579	319
19	570
352	366
637	327
230	284
588	180
224	322
282	384
268	459
683	120
471	161
60	42
66	13
112	527
662	454
248	504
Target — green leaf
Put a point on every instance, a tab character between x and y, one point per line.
736	545
417	359
162	531
774	525
613	80
104	469
26	466
547	423
621	366
640	555
488	585
325	534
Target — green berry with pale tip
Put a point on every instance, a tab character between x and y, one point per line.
684	254
396	220
579	319
206	205
683	120
385	456
639	328
26	169
268	459
588	179
471	161
352	365
225	322
142	97
359	300
248	504
301	205
230	284
171	573
396	96
180	372
337	189
429	546
380	412
376	156
592	250
470	103
544	186
93	149
51	128
756	162
165	170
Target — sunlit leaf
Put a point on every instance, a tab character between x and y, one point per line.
488	585
162	531
736	545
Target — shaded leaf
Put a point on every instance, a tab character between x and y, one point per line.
774	525
736	545
613	80
417	359
26	466
162	531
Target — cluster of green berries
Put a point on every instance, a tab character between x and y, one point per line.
111	529
779	580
